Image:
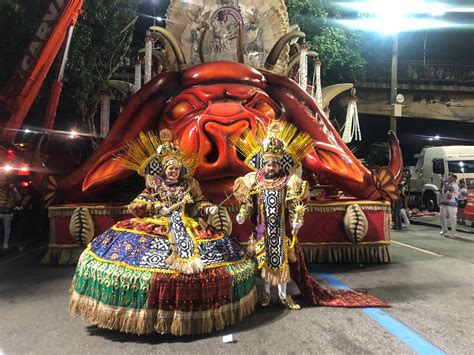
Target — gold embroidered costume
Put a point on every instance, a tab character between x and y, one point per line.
165	270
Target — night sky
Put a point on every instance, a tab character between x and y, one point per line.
414	133
444	45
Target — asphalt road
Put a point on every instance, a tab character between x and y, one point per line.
429	286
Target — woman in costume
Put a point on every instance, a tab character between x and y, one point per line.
165	270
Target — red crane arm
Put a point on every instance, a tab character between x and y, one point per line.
16	101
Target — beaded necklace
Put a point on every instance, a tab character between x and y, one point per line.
172	193
273	184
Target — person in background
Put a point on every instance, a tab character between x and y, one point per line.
396	214
403	211
449	205
24	221
9	197
462	201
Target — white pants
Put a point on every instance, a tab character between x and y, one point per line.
451	213
404	216
7	227
281	290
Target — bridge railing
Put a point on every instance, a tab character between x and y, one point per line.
436	73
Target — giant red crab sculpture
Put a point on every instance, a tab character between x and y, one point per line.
209	105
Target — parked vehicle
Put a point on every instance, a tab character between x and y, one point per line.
423	181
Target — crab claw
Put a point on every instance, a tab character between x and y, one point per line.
396	161
331	157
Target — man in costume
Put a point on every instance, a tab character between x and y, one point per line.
272	198
165	270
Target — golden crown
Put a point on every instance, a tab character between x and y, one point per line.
168	152
152	154
279	140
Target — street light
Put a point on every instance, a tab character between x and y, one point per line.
394	83
391	17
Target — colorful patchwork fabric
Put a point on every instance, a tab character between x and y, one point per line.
119	297
172	274
128	244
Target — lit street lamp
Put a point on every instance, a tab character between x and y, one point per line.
394	83
392	17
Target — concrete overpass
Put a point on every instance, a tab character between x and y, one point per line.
432	90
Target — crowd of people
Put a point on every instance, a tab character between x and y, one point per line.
430	72
452	203
439	73
19	214
453	200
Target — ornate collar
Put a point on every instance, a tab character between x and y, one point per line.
273	184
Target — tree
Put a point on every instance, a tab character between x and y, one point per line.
24	17
102	37
341	51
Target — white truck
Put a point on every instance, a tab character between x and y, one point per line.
423	181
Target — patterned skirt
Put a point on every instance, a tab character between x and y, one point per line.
124	282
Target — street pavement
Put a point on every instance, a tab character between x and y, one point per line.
429	286
434	221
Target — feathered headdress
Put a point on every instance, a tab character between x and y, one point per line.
281	142
149	154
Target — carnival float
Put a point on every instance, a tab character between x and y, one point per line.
225	68
221	69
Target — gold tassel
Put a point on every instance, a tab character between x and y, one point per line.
278	277
291	254
194	266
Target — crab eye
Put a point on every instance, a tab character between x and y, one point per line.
181	109
265	108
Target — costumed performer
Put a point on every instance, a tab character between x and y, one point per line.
165	270
273	197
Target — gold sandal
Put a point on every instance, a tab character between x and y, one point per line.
290	304
265	299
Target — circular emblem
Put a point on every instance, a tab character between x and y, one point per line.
400	98
230	19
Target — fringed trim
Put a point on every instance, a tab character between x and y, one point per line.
366	254
141	321
185	323
62	254
193	266
128	320
100	210
275	278
243	278
339	206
